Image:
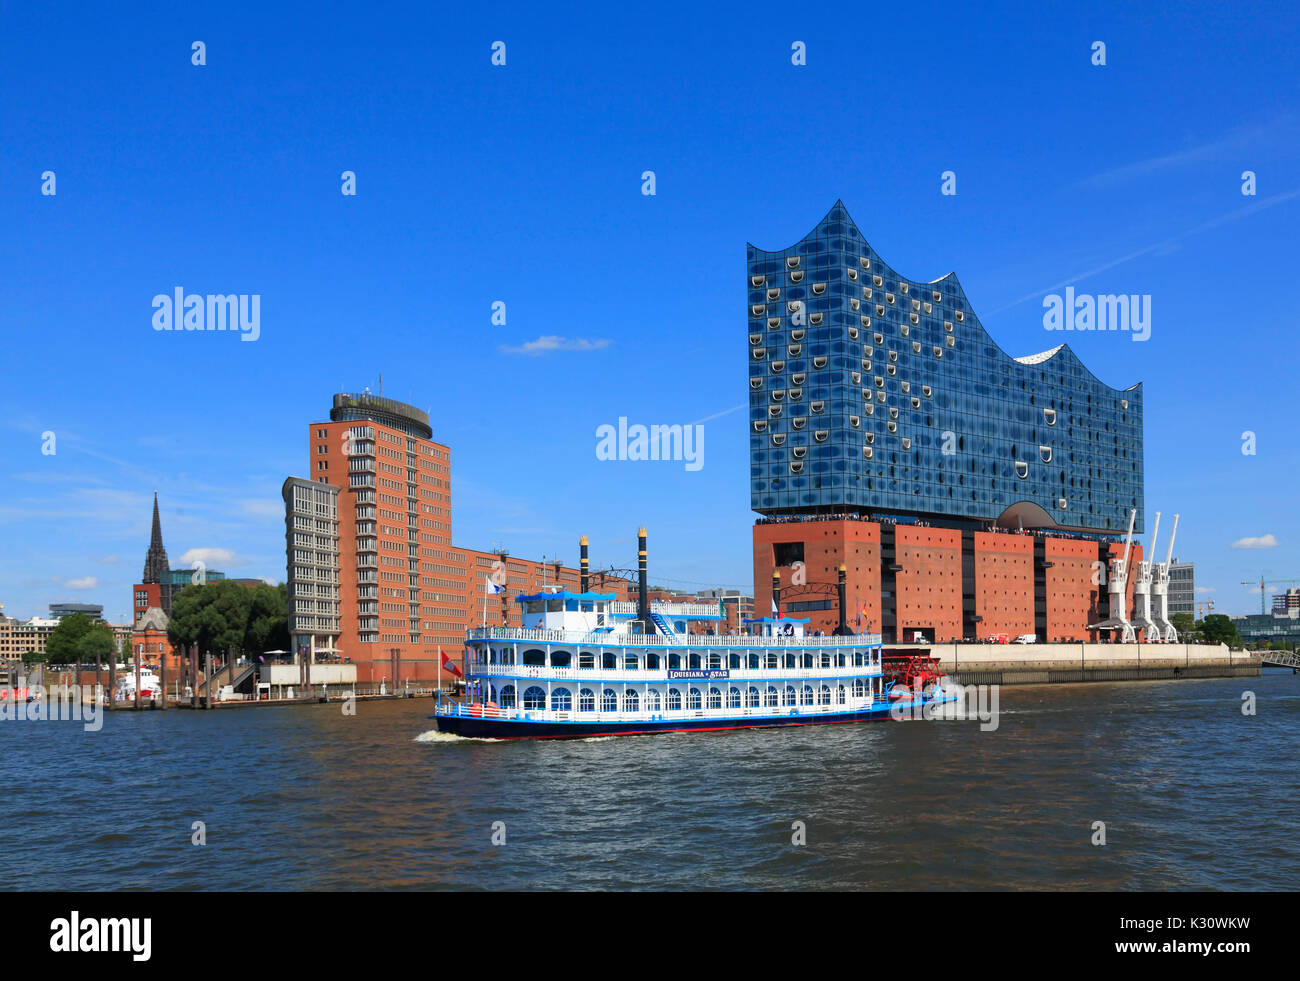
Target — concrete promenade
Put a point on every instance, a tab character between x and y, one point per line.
1028	664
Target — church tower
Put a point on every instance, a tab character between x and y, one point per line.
155	560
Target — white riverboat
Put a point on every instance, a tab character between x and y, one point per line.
585	664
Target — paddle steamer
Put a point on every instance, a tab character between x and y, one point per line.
586	664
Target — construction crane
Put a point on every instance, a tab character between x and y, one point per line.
1266	582
1207	606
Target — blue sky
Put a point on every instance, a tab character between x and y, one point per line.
522	184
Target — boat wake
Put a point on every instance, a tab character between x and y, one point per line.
434	736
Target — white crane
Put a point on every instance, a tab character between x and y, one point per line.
1160	592
1151	630
1118	588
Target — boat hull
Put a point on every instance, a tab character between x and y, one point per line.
477	727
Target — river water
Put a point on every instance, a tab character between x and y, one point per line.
1193	795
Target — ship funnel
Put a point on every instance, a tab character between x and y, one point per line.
842	589
643	604
585	577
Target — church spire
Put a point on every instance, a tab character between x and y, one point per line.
155	560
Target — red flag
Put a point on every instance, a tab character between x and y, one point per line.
449	665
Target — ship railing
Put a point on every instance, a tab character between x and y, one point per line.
594	639
623	608
660	676
477	711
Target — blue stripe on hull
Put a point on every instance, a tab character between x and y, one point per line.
479	728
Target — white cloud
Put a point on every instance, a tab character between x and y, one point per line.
1264	541
209	556
550	342
86	582
1204	589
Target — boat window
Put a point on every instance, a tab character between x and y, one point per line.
715	698
534	658
609	700
631	701
561	659
693	699
561	700
534	697
629	661
674	699
508	697
587	660
586	700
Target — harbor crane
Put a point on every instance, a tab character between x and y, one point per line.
1118	620
1266	582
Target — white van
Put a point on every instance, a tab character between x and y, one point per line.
1026	639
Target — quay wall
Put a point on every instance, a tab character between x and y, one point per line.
1020	664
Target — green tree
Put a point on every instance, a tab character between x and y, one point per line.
63	646
1185	624
214	616
223	614
268	620
1219	629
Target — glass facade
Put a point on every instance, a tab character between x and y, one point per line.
871	392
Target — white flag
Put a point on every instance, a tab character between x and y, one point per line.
493	588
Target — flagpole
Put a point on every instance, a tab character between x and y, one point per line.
483	623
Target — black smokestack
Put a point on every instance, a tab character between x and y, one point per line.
582	564
643	604
776	593
844	613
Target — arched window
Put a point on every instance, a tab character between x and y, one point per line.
841	696
807	694
535	658
587	660
586	700
534	697
772	701
791	696
652	701
561	700
771	661
629	660
694	660
609	661
508	697
733	698
674	699
693	698
674	662
631	701
859	689
752	698
825	695
561	659
609	700
715	698
734	661
715	661
652	661
753	660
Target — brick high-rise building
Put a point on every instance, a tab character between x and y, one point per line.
404	590
394	531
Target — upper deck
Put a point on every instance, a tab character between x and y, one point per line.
599	619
